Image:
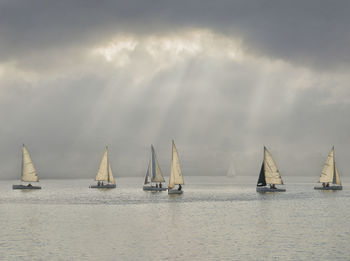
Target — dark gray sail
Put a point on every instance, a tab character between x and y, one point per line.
262	180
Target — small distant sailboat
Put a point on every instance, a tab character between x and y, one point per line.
231	170
269	174
329	174
104	173
153	175
28	172
175	173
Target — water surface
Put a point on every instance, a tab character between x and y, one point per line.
215	219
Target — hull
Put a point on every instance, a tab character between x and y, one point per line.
109	186
329	188
25	187
174	191
149	188
266	189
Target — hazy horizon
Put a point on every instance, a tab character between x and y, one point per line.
222	79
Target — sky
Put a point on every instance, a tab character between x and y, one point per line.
222	78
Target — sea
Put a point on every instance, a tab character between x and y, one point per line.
217	218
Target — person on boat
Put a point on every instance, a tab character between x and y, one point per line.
179	187
102	183
323	184
156	185
160	185
98	183
29	185
272	186
327	185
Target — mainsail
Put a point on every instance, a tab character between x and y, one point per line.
329	169
28	169
153	174
272	174
176	173
156	173
104	172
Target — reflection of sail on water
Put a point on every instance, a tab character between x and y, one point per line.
329	173
175	173
28	170
104	172
153	174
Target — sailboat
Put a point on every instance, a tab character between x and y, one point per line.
231	172
329	174
104	173
153	175
175	173
269	174
28	172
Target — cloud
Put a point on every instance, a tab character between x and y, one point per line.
220	78
312	33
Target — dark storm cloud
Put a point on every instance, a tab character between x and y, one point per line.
312	33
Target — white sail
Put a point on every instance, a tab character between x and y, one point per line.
28	169
110	174
159	176
156	173
147	178
176	173
328	168
103	170
337	178
231	171
272	174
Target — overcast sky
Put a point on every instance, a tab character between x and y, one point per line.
221	78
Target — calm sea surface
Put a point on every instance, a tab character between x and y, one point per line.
215	219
